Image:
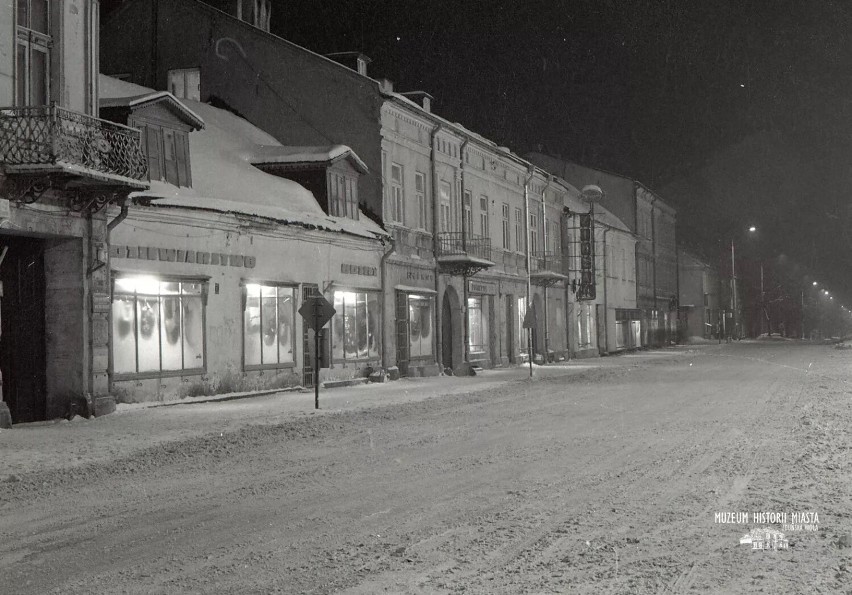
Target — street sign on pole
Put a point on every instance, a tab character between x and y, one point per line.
316	312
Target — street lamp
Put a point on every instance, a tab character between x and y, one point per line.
751	229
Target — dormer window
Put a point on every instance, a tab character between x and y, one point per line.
256	12
185	83
33	52
165	124
168	153
342	194
330	173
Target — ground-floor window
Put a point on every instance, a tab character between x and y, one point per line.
622	331
157	325
356	325
585	326
523	347
477	317
420	325
268	325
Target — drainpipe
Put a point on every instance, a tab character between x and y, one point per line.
122	215
545	244
386	316
606	302
466	325
527	250
436	244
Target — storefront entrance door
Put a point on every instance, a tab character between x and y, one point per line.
22	341
447	333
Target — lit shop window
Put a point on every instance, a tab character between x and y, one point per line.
419	325
157	325
478	320
521	332
356	326
268	329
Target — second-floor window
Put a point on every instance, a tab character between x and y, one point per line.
445	213
533	233
468	215
506	233
396	199
185	83
483	217
33	52
519	231
420	191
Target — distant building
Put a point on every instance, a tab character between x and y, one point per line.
699	287
654	224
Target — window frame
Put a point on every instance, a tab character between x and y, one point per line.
484	223
507	234
377	332
420	194
198	371
183	73
293	337
478	304
519	228
397	198
27	41
430	301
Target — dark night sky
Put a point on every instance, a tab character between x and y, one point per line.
737	112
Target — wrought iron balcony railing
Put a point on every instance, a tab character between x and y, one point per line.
453	244
552	262
34	138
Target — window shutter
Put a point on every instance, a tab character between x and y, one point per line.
184	169
153	142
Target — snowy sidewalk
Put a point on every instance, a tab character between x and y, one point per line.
64	444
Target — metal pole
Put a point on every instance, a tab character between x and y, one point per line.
803	315
733	288
316	359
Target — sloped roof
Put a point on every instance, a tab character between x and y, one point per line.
143	100
225	180
276	154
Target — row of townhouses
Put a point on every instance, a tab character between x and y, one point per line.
177	181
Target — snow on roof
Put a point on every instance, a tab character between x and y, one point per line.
275	154
225	180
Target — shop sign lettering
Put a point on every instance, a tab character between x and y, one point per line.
183	256
356	269
419	275
479	287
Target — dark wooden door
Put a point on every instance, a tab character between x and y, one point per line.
447	334
403	321
308	344
22	344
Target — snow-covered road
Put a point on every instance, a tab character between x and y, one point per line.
601	479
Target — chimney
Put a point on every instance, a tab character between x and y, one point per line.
421	97
386	85
354	60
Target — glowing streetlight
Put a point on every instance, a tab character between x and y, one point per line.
752	229
815	283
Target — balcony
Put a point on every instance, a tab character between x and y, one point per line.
547	268
50	146
463	254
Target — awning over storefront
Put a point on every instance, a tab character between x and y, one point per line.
412	289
